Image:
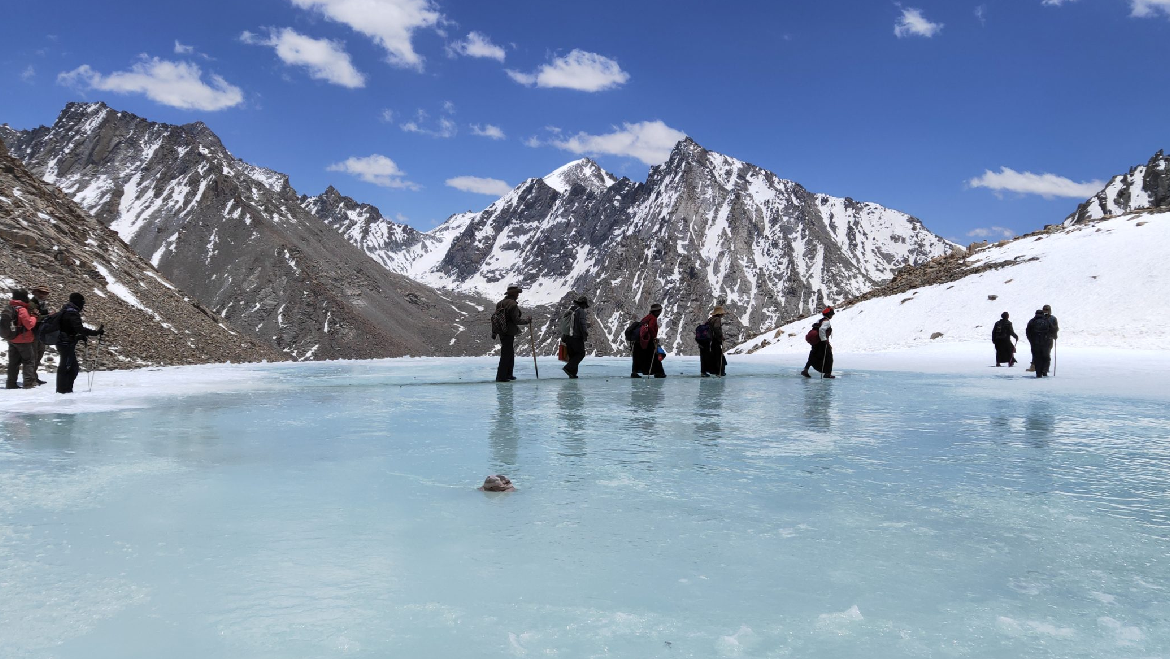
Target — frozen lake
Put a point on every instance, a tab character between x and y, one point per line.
330	509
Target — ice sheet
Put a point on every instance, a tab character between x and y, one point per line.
329	509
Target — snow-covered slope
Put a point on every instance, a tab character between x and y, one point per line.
704	227
1107	282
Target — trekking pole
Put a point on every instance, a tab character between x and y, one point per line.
1053	357
96	357
532	336
824	358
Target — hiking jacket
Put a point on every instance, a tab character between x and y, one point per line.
23	319
1053	326
580	323
1004	327
513	316
651	324
1038	330
826	330
716	325
72	329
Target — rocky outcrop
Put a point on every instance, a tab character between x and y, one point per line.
1144	187
236	238
47	239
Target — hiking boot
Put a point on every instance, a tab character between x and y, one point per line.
513	378
497	380
828	377
11	385
705	375
40	381
635	375
805	373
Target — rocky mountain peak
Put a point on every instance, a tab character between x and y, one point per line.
1144	187
584	172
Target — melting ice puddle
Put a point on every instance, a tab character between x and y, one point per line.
329	509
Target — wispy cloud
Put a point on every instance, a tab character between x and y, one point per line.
28	74
1055	3
913	24
980	14
1149	8
477	44
487	130
1048	186
580	70
326	60
648	141
376	169
991	232
442	127
177	84
390	23
387	116
181	49
488	186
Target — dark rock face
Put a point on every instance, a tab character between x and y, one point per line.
703	228
47	239
1144	187
237	239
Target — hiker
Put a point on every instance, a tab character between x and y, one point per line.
1054	327
506	324
72	331
644	348
497	483
17	323
1002	334
711	359
1039	333
573	335
821	355
39	301
813	338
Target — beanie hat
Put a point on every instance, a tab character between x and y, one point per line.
20	294
1004	315
655	307
77	300
828	311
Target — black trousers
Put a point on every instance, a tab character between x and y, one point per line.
711	359
507	358
67	368
1042	357
821	358
645	361
576	352
21	357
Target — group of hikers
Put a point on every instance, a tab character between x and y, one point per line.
646	351
1041	333
29	327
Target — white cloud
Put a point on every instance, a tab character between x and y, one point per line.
177	84
914	24
991	232
1055	3
448	107
181	49
489	186
580	70
443	127
1048	186
477	44
376	169
388	116
325	59
980	12
533	142
487	130
1148	8
28	73
648	141
390	23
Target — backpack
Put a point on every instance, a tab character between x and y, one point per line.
500	322
703	333
9	327
813	336
49	330
633	331
566	327
998	331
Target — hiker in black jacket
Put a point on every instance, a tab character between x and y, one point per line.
514	318
72	331
1002	334
575	340
644	348
1039	333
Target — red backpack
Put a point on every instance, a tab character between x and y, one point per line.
813	336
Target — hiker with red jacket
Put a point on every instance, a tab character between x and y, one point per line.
821	355
645	347
72	331
17	324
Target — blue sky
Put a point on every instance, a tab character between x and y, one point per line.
429	108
